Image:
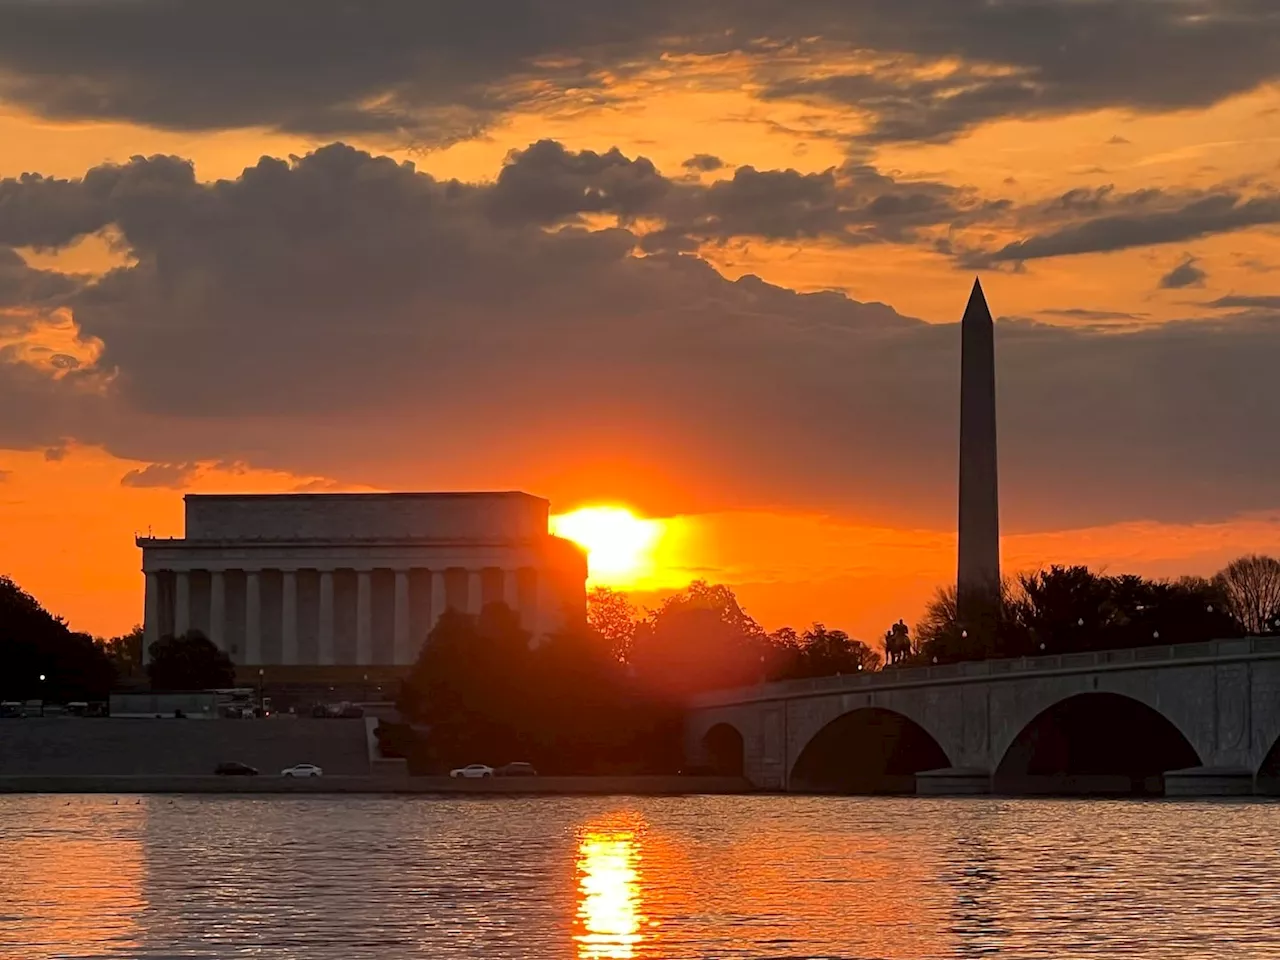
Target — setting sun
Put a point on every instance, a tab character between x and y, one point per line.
620	545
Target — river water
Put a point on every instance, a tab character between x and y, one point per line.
325	877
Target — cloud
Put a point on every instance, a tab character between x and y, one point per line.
433	73
22	285
1079	313
1238	302
1101	221
703	162
1118	140
342	315
172	475
1185	274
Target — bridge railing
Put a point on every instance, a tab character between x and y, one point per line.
976	669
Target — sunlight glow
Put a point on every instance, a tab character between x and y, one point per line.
609	916
620	545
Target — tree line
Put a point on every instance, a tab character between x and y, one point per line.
606	693
42	658
1072	609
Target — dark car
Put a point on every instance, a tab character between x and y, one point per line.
234	769
516	770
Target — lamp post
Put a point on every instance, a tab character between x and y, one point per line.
42	694
260	703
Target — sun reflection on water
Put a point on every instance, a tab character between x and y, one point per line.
609	919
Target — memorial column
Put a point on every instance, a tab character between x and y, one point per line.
511	589
218	608
475	586
325	652
402	651
150	613
439	598
364	617
181	603
252	617
289	616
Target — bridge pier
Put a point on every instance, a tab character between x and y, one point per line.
953	782
1209	782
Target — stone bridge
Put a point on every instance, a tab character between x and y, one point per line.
1191	719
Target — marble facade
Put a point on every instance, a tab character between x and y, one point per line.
354	580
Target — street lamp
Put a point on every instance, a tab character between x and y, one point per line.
260	704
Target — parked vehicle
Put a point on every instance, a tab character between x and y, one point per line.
516	769
302	770
474	771
233	768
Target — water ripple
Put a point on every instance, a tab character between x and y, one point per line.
607	879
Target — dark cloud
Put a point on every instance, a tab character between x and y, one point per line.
1079	313
1118	140
1185	274
435	72
1237	302
1101	221
703	162
549	184
175	476
1055	57
345	316
25	286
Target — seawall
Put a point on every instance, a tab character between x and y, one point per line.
514	786
112	747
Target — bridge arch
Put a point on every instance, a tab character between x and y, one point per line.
866	750
725	751
1094	742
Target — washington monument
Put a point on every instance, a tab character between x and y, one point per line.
978	574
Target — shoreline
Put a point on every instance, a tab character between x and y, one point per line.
654	786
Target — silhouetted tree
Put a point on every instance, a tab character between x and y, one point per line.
125	653
611	614
483	693
35	643
825	653
998	630
1072	609
699	639
1250	587
188	662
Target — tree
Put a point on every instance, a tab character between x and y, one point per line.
125	654
482	692
1250	587
34	644
611	614
825	653
699	639
188	662
995	631
1071	609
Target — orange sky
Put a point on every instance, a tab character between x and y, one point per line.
778	528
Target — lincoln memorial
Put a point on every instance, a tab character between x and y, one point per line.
353	580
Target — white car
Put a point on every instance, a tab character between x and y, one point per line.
301	770
474	771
